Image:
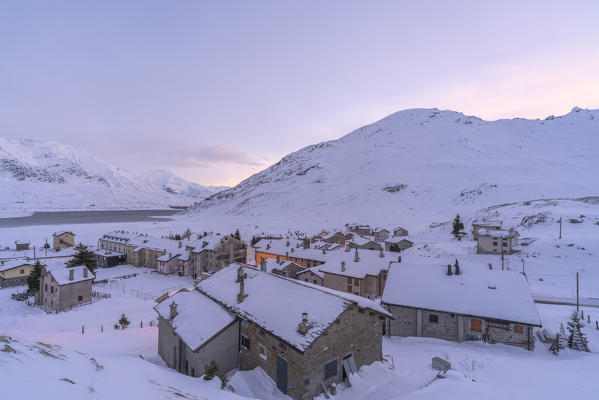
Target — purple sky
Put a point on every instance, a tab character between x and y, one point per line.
217	91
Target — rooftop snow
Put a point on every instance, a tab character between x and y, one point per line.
370	263
429	287
61	275
487	223
397	239
496	234
279	246
10	264
198	318
276	303
361	240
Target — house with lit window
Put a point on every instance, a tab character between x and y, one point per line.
296	251
496	241
305	337
475	304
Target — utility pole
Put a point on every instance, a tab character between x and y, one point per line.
502	259
560	227
577	295
523	273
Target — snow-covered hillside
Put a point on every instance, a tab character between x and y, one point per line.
423	165
171	183
43	176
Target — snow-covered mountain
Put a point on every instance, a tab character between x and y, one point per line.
171	183
39	176
422	165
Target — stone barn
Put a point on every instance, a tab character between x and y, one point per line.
478	304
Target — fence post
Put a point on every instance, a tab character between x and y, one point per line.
141	324
102	328
82	329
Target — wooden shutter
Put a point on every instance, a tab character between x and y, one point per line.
476	325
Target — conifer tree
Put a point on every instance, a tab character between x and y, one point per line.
576	340
124	321
562	337
83	256
458	228
237	235
457	267
33	279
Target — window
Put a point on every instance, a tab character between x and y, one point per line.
314	280
349	288
51	289
349	280
330	369
80	298
518	329
356	281
494	243
476	325
245	342
22	271
262	351
433	318
45	286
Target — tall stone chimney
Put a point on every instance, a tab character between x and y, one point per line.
71	274
356	256
173	312
85	272
381	254
303	326
241	279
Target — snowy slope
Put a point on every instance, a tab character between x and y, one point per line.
418	166
42	176
171	183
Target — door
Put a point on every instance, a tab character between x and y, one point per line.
349	367
282	374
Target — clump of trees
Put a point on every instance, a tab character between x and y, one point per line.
83	256
211	370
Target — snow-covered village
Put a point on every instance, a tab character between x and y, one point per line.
275	200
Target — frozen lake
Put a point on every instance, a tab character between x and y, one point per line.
87	217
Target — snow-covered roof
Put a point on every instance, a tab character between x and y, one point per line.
397	239
61	275
314	270
279	247
369	262
487	223
276	303
168	257
198	317
497	234
477	291
22	241
10	264
361	240
62	233
379	230
209	242
272	263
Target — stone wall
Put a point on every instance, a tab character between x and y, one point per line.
403	322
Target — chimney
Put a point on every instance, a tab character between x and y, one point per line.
85	272
306	243
398	258
286	254
241	279
324	250
170	255
356	256
292	249
287	244
267	246
180	244
278	258
173	310
71	274
303	326
342	266
381	254
347	248
263	265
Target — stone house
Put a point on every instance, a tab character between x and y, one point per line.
399	231
488	225
169	263
309	338
14	272
364	243
62	240
282	268
362	230
496	241
108	258
311	275
295	251
187	343
362	273
216	252
478	304
63	288
334	238
380	235
398	243
21	245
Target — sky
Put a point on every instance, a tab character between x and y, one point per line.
216	91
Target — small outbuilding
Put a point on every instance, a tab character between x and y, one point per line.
62	240
21	245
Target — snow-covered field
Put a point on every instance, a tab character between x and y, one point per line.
48	352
